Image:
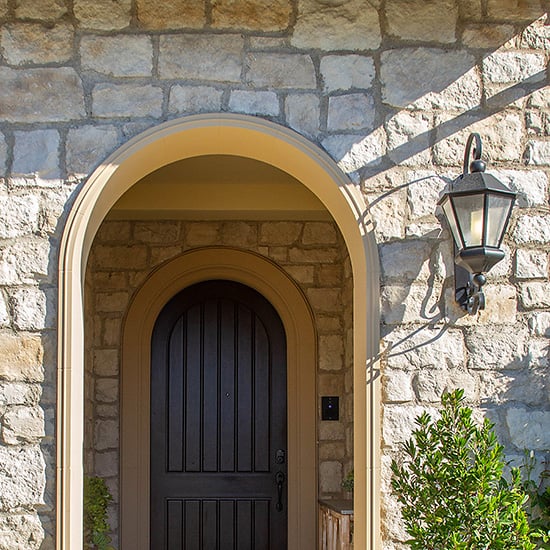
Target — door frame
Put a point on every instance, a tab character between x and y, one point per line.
276	286
258	139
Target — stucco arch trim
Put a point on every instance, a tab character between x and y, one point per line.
268	279
208	134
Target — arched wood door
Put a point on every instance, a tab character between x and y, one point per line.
218	422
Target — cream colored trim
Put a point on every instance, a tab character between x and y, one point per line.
231	135
265	277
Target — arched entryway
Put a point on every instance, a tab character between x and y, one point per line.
227	135
214	263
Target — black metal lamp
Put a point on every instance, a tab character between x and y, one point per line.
477	207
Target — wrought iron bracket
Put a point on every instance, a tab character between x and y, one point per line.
468	290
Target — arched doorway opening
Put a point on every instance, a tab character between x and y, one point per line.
228	135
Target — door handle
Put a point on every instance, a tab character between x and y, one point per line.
280	480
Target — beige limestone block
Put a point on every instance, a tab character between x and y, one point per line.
87	146
531	264
18	216
157	232
281	70
514	10
538	153
343	25
280	233
535	294
118	56
397	386
254	102
111	302
304	274
330	477
537	35
326	300
532	229
540	99
314	255
21	357
106	390
487	36
40	9
343	72
409	138
3	8
491	348
441	79
530	185
113	257
112	231
509	67
416	303
106	464
23	260
25	98
126	100
329	275
202	234
33	308
539	323
201	57
319	233
23	424
33	43
19	393
351	112
21	477
331	352
398	422
501	134
302	112
353	152
22	531
262	15
171	14
426	20
529	429
329	450
106	362
412	350
194	99
37	153
389	215
106	434
405	260
501	387
103	14
239	233
331	431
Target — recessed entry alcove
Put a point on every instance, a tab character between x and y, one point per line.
248	220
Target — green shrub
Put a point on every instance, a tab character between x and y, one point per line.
96	527
538	503
451	486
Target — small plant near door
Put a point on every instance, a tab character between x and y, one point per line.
451	486
96	499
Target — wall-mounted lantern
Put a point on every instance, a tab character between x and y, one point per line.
477	207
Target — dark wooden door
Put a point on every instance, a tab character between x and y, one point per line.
218	422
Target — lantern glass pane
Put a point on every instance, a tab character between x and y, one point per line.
469	211
498	208
449	214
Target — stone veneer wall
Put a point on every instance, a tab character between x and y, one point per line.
389	88
125	253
